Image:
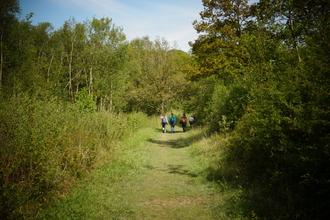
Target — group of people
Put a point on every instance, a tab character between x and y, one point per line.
172	122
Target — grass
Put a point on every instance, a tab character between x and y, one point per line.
153	175
103	194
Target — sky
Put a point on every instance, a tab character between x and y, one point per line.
171	19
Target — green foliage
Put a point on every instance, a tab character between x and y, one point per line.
105	184
278	146
46	144
211	154
218	101
88	55
218	48
158	80
85	102
142	75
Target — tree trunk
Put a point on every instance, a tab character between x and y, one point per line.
162	106
1	56
70	72
111	97
1	63
101	103
294	40
90	85
48	71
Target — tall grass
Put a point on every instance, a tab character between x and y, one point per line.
106	193
210	151
45	144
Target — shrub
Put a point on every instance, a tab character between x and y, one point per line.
278	151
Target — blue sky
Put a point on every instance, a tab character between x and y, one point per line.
171	19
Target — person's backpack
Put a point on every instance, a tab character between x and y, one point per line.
164	119
191	119
184	120
172	119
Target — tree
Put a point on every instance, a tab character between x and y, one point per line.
157	77
72	42
91	54
218	47
107	56
286	119
8	9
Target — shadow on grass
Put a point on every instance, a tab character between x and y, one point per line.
173	169
251	198
179	169
177	130
180	143
177	143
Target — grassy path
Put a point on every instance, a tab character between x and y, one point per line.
153	176
172	189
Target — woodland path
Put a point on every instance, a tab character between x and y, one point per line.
172	189
156	179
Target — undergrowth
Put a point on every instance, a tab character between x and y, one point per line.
47	144
211	153
101	195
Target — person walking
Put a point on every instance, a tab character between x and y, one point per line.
172	122
164	122
191	120
183	122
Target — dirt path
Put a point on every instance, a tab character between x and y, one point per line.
172	189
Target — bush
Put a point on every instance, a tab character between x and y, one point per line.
282	156
223	102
